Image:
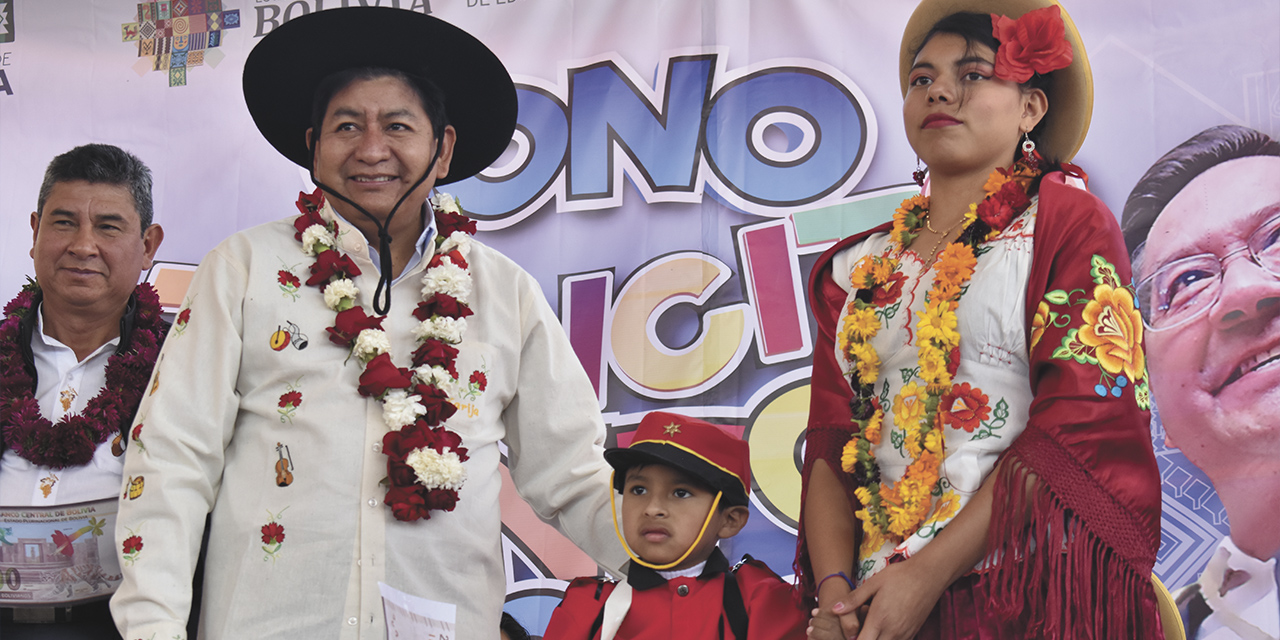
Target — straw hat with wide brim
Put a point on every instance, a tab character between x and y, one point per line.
283	71
1070	89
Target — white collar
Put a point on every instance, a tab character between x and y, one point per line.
691	572
1250	607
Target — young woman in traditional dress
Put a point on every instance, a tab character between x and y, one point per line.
978	462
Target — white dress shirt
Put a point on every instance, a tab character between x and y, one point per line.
1248	608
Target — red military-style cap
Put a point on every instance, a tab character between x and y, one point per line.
696	447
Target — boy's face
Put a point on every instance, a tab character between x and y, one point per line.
663	510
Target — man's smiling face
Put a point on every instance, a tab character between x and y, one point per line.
1216	378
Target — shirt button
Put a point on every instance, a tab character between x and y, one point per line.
682	590
359	563
352	621
377	447
373	502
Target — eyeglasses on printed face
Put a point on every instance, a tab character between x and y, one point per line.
1182	290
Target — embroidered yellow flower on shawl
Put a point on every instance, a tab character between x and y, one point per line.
1114	328
908	406
938	322
860	325
1039	323
866	361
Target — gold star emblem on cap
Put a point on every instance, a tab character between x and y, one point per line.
672	429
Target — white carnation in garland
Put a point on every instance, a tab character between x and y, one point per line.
445	202
314	235
435	376
339	290
440	328
459	240
401	408
449	279
437	470
371	343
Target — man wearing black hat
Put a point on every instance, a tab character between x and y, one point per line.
343	419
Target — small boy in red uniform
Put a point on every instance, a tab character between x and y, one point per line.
684	485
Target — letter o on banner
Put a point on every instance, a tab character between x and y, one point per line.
832	143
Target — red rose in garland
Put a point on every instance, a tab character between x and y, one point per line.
1034	43
435	353
330	265
381	374
348	325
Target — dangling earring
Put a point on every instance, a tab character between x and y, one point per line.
919	174
1029	154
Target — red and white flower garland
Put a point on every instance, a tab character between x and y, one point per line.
424	459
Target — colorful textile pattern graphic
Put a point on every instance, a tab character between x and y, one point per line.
175	35
6	22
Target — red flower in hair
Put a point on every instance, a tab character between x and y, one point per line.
1034	43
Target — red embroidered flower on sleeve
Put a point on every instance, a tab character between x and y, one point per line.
132	544
272	533
291	399
184	317
1034	43
479	379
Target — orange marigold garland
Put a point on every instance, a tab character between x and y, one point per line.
893	511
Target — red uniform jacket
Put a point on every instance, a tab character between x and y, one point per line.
684	608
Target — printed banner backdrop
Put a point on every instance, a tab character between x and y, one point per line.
677	168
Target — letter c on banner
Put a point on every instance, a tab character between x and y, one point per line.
643	362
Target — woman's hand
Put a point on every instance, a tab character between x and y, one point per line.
900	598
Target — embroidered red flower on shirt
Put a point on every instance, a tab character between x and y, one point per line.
132	544
479	379
286	278
890	291
272	533
184	317
1034	43
291	399
964	407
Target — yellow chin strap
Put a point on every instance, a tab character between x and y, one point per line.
636	559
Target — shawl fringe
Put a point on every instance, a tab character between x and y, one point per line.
1098	593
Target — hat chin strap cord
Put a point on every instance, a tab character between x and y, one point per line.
382	296
636	559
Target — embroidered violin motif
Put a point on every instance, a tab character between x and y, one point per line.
284	466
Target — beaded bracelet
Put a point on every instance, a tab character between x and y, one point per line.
838	574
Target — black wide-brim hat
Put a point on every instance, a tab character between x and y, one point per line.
283	71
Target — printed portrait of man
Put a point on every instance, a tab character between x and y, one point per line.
1203	226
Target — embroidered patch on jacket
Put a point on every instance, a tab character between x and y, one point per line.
286	335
